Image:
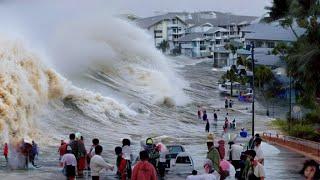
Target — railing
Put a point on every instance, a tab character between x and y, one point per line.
305	147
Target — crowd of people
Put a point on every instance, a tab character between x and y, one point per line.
75	159
242	162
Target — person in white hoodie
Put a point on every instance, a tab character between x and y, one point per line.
97	164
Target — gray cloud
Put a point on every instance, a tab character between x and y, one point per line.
148	7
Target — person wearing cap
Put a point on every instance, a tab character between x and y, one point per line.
97	164
213	153
25	149
69	164
258	150
144	170
153	153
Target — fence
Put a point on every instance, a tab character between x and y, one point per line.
308	148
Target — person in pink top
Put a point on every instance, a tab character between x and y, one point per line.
6	151
144	170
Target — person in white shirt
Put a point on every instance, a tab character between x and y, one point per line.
259	153
256	170
210	173
69	164
97	163
234	152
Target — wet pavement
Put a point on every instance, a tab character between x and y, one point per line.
170	125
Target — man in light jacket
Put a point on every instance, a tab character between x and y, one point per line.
97	163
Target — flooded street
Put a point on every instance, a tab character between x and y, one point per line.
167	124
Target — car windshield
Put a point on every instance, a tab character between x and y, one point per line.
175	149
183	160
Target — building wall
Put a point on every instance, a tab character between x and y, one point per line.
263	43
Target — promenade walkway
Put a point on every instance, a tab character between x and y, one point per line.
304	147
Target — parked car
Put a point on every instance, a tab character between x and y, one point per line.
174	150
183	164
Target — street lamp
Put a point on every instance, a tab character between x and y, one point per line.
253	94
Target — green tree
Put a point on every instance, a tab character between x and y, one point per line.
303	56
164	45
232	47
232	77
263	74
244	62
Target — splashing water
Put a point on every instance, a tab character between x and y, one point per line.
111	61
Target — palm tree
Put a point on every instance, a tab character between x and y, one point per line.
233	47
303	56
263	74
232	77
164	45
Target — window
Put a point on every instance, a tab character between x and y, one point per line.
183	160
271	44
174	21
175	149
157	31
259	44
194	43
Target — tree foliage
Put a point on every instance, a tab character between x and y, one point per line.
164	45
232	77
263	75
303	56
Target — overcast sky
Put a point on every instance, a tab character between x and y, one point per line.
149	7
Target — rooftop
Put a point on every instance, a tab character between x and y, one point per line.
216	29
149	21
274	32
198	18
192	37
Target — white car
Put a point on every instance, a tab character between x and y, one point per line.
183	164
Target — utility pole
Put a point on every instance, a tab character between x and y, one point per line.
290	103
253	93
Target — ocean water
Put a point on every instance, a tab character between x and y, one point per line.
65	69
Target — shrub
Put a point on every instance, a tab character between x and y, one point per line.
313	116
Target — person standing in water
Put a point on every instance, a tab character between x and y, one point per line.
6	151
207	126
62	149
69	164
128	156
34	152
226	103
199	114
97	163
205	116
215	116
